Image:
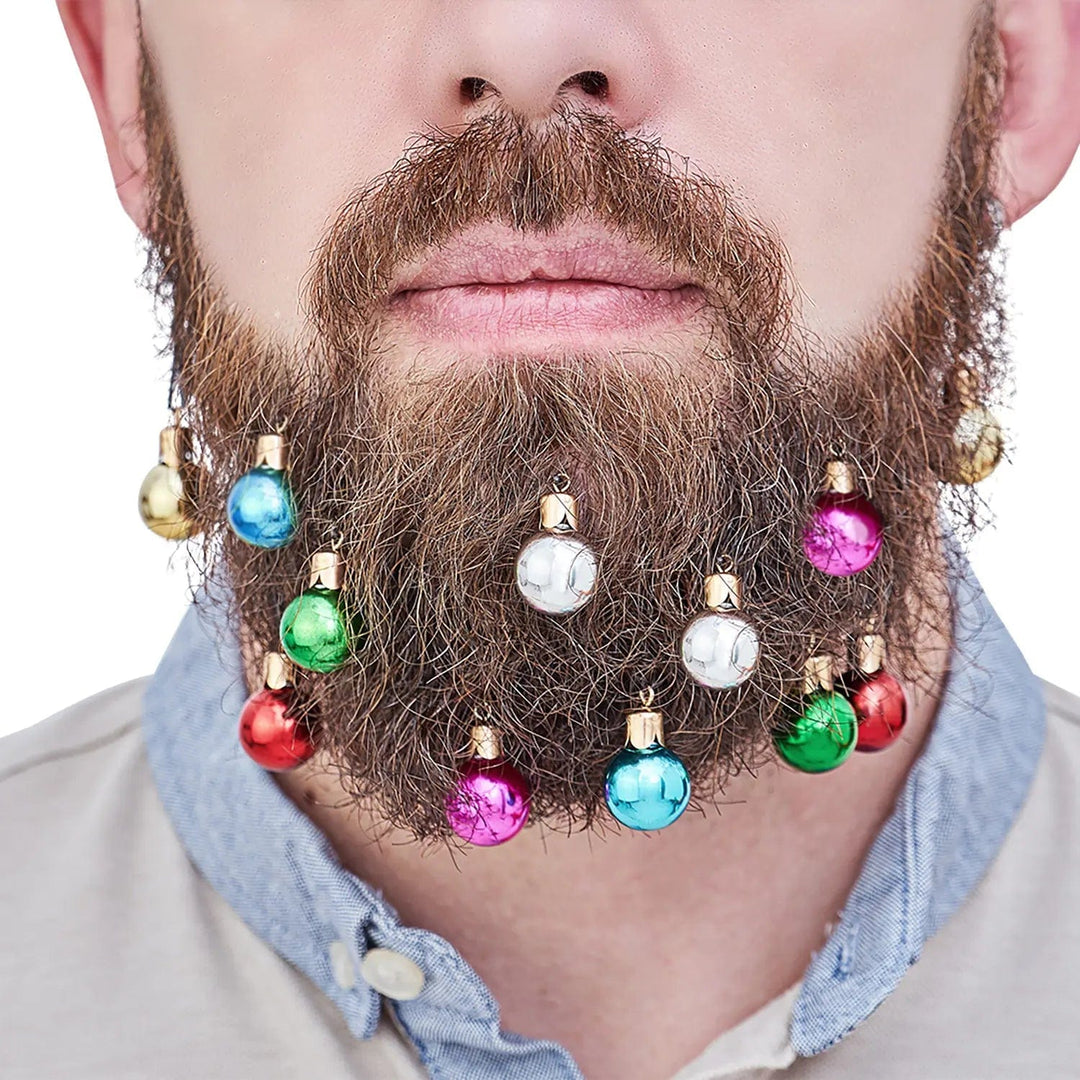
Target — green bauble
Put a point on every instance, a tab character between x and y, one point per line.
314	632
820	732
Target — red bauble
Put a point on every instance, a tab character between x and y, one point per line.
881	709
271	735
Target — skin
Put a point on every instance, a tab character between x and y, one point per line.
281	109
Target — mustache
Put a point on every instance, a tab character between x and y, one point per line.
536	178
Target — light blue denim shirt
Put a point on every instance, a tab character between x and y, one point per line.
279	873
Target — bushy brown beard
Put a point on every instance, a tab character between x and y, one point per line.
430	485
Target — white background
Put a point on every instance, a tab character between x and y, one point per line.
89	596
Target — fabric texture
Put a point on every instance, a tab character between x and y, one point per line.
161	875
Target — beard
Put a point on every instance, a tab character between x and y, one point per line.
427	482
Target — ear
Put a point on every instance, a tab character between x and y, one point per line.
104	36
1041	108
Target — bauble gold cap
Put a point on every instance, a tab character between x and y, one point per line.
327	570
819	673
271	451
840	476
277	671
644	724
484	742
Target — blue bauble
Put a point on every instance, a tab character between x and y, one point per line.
260	508
646	789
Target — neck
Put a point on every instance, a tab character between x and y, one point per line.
712	917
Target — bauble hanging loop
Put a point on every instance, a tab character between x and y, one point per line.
877	698
314	631
260	506
720	647
978	442
844	533
270	733
646	785
490	801
556	571
164	501
819	730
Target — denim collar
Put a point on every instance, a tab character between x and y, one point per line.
278	872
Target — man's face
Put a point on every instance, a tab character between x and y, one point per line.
767	259
829	120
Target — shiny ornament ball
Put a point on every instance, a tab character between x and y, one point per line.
556	574
646	789
490	803
880	708
162	503
720	649
260	508
271	735
844	534
820	734
978	446
314	633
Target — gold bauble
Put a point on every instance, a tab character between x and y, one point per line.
162	504
978	444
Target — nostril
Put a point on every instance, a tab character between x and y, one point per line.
593	83
473	88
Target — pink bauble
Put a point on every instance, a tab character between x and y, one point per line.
844	535
490	803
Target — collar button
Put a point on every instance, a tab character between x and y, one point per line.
391	974
341	964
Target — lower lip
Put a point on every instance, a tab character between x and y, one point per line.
535	313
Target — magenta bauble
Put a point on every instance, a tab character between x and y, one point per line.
844	534
490	803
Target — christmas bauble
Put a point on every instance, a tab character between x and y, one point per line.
880	708
556	574
260	508
844	534
978	445
720	649
163	505
270	734
820	732
646	789
314	633
490	803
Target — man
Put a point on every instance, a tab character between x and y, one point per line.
712	286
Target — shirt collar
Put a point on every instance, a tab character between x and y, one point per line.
278	872
959	800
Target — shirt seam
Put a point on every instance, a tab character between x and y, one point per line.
70	751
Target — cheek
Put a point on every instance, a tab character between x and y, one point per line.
833	122
278	112
831	119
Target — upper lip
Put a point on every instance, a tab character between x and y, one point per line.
495	254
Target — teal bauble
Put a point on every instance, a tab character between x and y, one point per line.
820	732
646	789
314	633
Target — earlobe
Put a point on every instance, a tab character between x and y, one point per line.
104	36
1040	127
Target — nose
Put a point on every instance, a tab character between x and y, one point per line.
534	56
